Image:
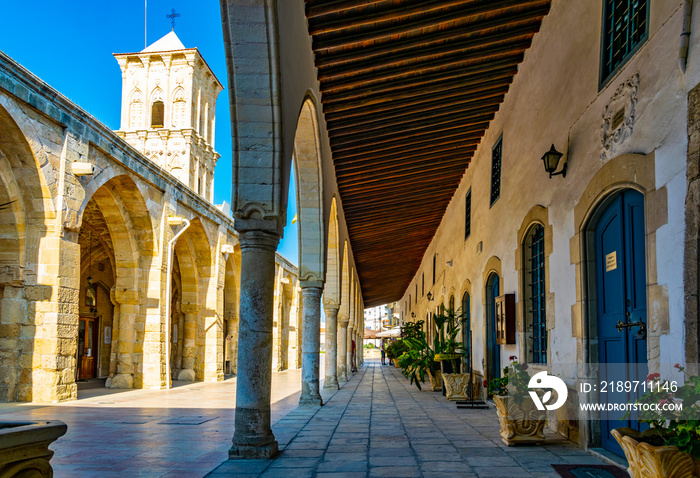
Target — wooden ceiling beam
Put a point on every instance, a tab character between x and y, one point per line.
421	189
343	39
340	93
457	147
446	128
485	102
421	144
489	54
464	142
400	178
432	55
369	166
342	6
497	77
520	19
432	101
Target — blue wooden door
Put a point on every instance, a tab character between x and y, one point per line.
494	350
621	302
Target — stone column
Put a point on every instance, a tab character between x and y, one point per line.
114	346
351	336
342	348
232	342
253	437
311	343
189	348
126	312
331	355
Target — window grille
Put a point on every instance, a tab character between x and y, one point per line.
468	215
537	297
625	26
496	170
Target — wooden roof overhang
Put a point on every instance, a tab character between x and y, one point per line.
408	89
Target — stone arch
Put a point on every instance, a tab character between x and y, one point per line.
309	176
628	171
115	211
193	252
538	215
345	284
491	269
231	287
331	291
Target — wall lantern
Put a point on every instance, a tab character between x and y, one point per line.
551	161
430	296
413	315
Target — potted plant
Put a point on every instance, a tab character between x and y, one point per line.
395	350
448	351
671	447
520	420
419	358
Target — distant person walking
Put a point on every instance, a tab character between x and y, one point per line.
353	369
383	354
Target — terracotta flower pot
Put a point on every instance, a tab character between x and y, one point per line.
24	447
521	423
435	380
457	385
647	460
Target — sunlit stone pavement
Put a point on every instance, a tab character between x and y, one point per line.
376	425
380	425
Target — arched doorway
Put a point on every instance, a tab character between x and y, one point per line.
617	282
493	350
467	331
230	316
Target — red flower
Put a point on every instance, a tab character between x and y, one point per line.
653	376
677	365
486	384
512	357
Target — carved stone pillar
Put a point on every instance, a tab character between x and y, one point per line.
189	348
342	349
331	355
253	437
125	312
351	336
311	343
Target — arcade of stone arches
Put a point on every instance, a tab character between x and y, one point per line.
83	264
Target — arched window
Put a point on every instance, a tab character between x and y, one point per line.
136	110
451	303
157	114
535	299
179	106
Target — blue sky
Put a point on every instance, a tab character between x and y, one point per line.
69	44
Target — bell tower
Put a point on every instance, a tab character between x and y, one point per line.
168	108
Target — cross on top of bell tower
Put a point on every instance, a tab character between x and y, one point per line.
172	16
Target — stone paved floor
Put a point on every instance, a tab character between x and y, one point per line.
183	432
376	425
380	425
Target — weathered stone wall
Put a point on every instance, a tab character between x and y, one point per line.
556	99
44	272
692	232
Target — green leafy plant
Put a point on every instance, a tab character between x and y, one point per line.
675	427
396	349
445	343
513	382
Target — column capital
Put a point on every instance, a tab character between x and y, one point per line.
342	319
257	239
311	284
330	304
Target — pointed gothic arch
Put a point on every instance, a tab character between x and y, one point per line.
307	163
